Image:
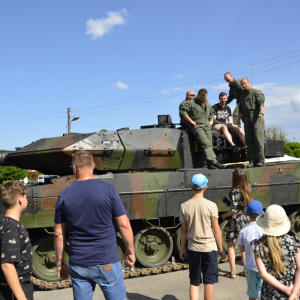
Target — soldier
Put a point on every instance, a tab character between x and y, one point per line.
251	109
200	116
235	92
189	96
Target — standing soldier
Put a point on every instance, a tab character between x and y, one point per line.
189	96
200	116
235	92
251	109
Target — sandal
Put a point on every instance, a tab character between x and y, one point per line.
243	273
229	275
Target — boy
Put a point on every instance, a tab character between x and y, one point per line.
16	256
247	235
199	225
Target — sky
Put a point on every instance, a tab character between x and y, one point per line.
121	63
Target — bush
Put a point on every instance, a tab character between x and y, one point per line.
292	149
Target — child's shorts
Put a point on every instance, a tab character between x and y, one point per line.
205	263
254	282
6	293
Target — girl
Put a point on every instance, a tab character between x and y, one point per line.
277	256
240	195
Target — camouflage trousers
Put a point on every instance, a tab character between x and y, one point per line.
204	138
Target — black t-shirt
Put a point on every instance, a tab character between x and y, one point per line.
222	113
15	248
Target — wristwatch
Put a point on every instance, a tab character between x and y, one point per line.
60	265
261	113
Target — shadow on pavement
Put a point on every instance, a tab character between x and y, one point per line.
135	296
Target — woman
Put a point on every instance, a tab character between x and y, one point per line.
277	256
240	195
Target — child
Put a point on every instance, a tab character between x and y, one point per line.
246	236
16	256
277	256
199	225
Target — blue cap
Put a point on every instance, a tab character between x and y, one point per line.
254	207
200	181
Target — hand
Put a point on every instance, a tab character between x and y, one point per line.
223	254
211	123
193	123
260	117
229	125
63	272
238	123
130	260
289	290
293	297
222	217
182	253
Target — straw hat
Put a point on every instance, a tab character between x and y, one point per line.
274	222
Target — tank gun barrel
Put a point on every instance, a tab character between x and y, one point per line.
4	158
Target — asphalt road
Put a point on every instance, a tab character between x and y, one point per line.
169	286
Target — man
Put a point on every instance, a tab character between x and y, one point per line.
91	209
189	96
200	116
251	109
235	92
223	112
200	227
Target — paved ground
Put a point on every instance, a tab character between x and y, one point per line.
170	286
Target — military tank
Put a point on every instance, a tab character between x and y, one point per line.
151	168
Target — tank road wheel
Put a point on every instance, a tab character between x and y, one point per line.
224	229
153	246
121	248
295	223
44	259
177	243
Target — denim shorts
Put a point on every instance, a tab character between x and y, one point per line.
109	277
205	263
254	282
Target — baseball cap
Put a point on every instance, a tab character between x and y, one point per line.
199	182
254	207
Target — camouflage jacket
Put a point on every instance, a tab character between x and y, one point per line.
183	121
250	103
198	112
235	91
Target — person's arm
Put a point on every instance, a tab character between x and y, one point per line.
218	237
59	245
13	281
269	278
261	112
295	292
124	226
227	214
187	117
183	240
240	116
229	125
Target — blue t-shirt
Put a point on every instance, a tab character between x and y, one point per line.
89	208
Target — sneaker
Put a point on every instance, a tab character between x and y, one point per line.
251	165
235	148
260	164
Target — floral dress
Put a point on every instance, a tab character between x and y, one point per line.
238	220
290	246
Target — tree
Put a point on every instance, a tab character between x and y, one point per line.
12	173
292	149
275	133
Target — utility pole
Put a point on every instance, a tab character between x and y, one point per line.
69	122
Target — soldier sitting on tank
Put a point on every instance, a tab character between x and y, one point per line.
189	96
223	112
200	116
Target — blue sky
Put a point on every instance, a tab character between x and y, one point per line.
121	63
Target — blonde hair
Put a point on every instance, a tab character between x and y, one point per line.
275	253
240	182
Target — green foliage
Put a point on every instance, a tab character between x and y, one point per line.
12	173
292	149
275	133
103	130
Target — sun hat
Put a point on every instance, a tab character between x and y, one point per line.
254	207
199	182
274	222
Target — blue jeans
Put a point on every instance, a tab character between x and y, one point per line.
109	277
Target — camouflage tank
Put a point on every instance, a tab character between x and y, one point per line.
151	168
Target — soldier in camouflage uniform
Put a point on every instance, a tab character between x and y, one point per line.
189	96
235	92
200	115
251	109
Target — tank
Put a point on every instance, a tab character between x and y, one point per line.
151	168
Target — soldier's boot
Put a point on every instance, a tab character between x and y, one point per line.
260	164
251	165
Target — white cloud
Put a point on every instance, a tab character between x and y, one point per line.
178	76
221	87
295	103
121	85
98	27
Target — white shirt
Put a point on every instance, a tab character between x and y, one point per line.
246	236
